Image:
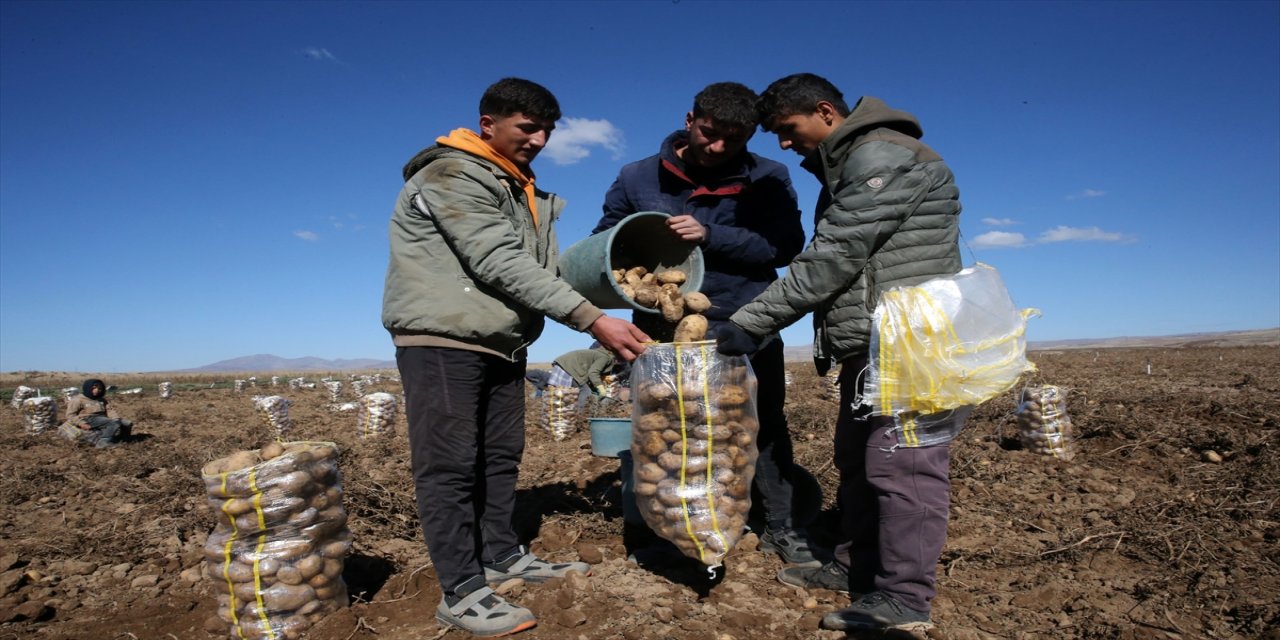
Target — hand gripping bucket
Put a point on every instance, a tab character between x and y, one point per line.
638	240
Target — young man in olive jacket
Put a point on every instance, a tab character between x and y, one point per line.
472	274
888	216
741	210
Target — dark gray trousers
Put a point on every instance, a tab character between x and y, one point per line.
894	502
466	438
776	462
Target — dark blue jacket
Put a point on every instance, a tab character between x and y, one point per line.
748	207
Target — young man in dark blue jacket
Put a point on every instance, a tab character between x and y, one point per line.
741	210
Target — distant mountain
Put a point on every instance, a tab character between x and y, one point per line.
267	362
1249	338
798	353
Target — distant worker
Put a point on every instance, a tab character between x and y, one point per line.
91	420
585	369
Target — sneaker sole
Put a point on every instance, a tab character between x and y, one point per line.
523	626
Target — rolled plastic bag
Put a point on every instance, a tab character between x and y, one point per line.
951	342
693	446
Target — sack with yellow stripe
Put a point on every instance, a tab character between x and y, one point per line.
276	555
942	347
693	446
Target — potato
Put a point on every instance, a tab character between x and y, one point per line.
672	305
692	328
637	272
619	275
696	302
287	597
672	276
628	290
647	296
272	450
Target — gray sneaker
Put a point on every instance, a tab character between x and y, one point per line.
830	576
531	569
789	544
877	611
479	611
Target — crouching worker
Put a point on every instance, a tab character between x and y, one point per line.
584	369
91	421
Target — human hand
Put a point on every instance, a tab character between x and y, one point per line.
620	337
732	340
687	228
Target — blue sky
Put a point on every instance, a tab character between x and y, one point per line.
186	182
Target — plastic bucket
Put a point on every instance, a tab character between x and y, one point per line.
638	240
610	435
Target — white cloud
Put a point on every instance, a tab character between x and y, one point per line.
999	222
572	137
992	239
1063	233
309	236
318	53
1087	193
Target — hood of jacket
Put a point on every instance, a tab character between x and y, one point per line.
468	141
86	389
868	114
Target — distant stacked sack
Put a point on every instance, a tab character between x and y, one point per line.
377	414
694	427
21	393
1043	424
335	390
40	414
166	390
277	553
275	412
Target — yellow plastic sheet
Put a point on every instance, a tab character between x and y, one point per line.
946	343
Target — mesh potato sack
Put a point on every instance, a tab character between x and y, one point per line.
560	410
693	443
377	414
276	554
1043	424
21	393
275	412
166	389
334	387
40	414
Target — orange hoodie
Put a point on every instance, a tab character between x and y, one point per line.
469	141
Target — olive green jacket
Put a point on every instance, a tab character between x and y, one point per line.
587	366
888	216
469	268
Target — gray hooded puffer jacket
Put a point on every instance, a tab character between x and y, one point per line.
888	216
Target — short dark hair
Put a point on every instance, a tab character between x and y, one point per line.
509	96
727	103
798	93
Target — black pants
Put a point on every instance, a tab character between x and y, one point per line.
776	462
894	501
466	437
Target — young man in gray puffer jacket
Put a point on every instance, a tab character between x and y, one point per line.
888	216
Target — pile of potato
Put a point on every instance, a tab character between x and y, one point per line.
275	411
39	413
1043	424
377	414
693	446
560	411
166	389
276	555
335	389
662	291
21	393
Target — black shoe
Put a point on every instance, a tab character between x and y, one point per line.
790	545
830	576
877	611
